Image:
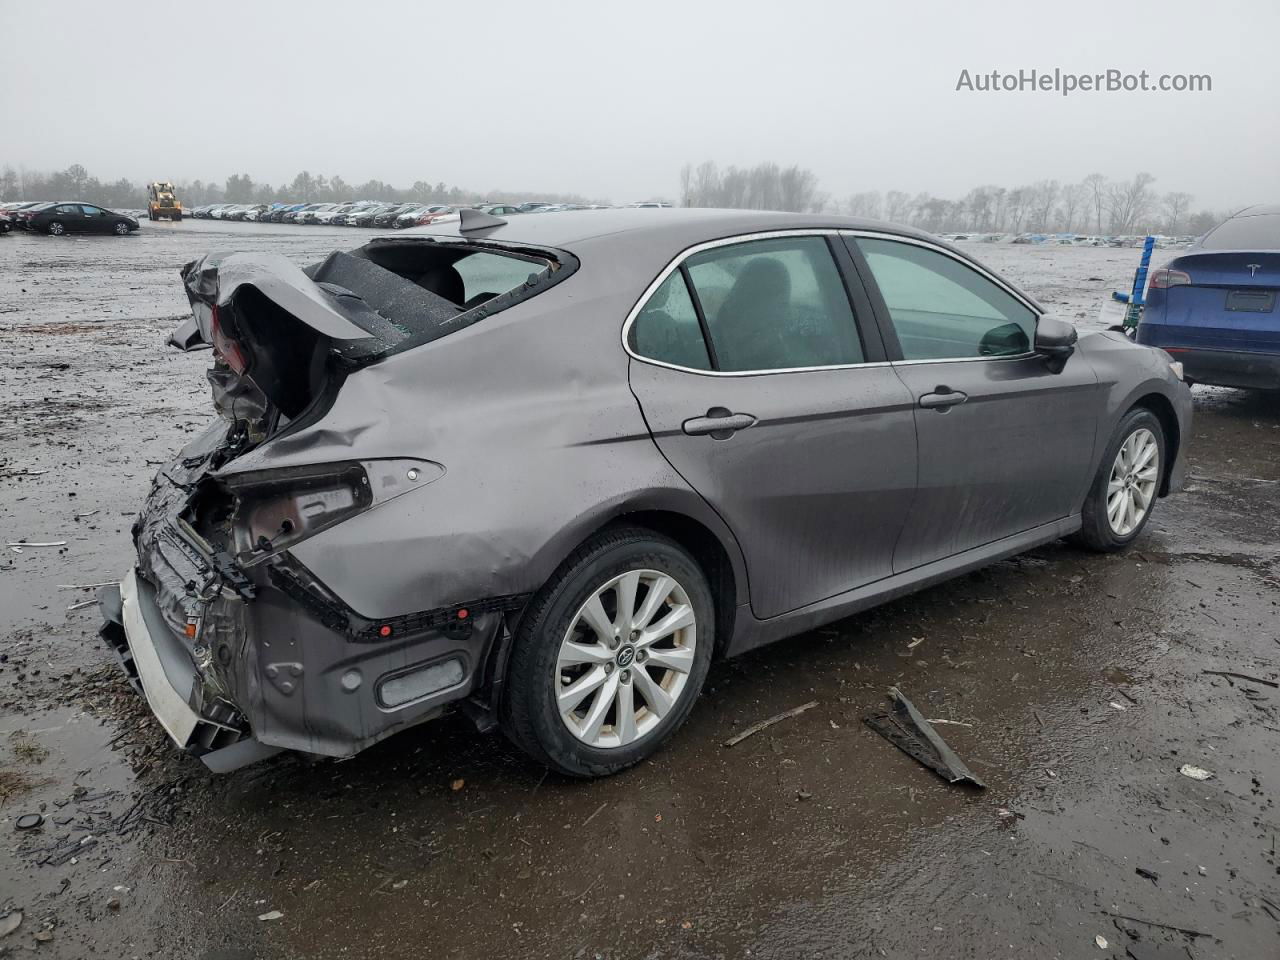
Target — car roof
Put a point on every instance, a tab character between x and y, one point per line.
642	234
677	226
1259	210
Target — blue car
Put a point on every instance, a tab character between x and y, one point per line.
1214	308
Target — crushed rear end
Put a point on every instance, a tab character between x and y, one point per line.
238	648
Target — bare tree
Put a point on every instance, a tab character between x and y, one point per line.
1096	184
868	204
1043	196
1175	207
1074	198
896	205
1129	203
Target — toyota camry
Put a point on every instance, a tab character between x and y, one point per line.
545	471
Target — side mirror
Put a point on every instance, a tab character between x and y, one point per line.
1055	341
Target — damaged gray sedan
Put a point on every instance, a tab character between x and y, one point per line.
543	472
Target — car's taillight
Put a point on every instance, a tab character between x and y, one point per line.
225	347
1165	278
276	509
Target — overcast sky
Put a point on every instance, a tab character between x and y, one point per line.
609	99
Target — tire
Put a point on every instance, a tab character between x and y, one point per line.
121	228
556	649
55	228
1138	488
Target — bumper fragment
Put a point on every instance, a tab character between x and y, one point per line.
160	669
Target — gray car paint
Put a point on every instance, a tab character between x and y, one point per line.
531	414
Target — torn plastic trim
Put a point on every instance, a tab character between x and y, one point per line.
908	730
294	580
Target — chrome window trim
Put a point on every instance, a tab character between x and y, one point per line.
976	268
688	252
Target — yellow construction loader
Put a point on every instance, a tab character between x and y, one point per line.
162	203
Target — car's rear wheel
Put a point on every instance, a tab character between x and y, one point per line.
56	228
1127	484
610	655
121	228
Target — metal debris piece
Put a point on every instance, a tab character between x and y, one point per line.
1242	676
763	724
28	821
1195	773
908	730
270	915
10	922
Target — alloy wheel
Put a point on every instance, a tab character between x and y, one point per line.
122	228
624	662
56	229
1131	488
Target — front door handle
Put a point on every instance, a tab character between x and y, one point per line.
719	424
943	398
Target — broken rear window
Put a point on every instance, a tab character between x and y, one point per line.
422	290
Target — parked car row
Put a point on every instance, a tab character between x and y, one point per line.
372	213
1069	239
58	217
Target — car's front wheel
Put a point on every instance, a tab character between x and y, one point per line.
121	228
610	655
1125	488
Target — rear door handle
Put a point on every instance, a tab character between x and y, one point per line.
719	424
943	398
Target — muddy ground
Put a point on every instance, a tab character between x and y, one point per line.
1079	680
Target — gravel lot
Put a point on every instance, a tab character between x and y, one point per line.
1079	682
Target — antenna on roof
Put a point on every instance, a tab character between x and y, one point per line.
475	220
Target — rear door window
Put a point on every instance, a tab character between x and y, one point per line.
942	309
666	329
775	304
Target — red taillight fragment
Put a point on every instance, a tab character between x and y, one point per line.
227	348
384	630
464	613
1165	278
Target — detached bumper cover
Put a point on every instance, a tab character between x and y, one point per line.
159	669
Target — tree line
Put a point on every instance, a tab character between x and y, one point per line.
1096	204
75	183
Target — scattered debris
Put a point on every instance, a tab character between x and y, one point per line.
764	724
911	733
954	723
270	915
457	785
1147	875
1195	773
10	922
1101	941
28	821
82	604
44	936
915	642
1242	676
599	810
36	543
1154	923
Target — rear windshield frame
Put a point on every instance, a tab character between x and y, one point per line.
557	265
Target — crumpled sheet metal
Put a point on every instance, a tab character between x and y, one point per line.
216	279
907	729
